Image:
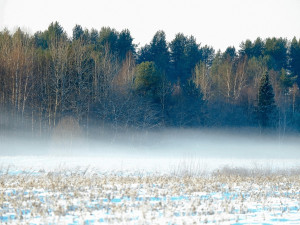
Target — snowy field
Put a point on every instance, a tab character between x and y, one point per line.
86	197
194	179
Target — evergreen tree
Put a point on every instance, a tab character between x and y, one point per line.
258	48
286	80
230	52
108	39
157	51
207	54
160	52
40	40
144	54
266	103
178	59
246	48
55	32
276	52
254	49
192	55
147	80
94	36
295	59
125	44
77	32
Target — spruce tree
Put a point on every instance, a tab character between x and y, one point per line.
266	103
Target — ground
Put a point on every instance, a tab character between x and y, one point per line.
87	195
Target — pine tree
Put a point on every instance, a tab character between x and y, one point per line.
266	103
295	59
77	32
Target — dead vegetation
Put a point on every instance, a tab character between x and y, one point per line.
85	197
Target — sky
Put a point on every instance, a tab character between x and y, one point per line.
218	23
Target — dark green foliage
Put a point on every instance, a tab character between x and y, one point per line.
55	30
147	79
108	39
207	55
266	102
187	107
40	40
144	54
258	48
54	33
246	48
295	59
94	36
255	49
185	54
230	53
157	52
77	32
286	80
192	54
125	44
115	43
276	51
177	47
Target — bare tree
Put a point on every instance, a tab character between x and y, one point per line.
240	78
202	79
59	62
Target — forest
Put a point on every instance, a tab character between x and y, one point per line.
101	78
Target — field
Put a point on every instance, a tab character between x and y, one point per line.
88	196
180	178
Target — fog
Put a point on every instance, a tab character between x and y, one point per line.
167	150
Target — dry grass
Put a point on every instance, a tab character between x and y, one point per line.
223	197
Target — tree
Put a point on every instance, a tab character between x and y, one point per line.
147	80
185	54
202	79
266	103
222	78
40	40
295	59
230	53
207	54
94	36
192	55
58	74
286	81
108	39
82	66
254	49
276	52
177	47
96	77
54	33
246	48
124	44
258	48
77	32
187	105
157	51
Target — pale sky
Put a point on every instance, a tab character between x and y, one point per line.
219	23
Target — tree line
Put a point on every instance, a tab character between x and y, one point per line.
102	78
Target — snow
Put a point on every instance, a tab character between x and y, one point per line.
192	179
62	190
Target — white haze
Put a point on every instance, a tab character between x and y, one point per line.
217	23
162	151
